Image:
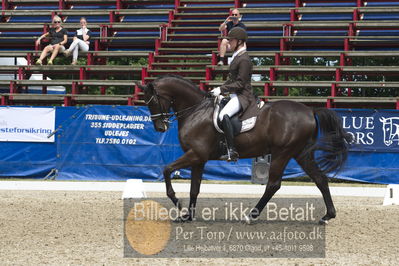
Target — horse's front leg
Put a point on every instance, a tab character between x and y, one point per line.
196	178
186	160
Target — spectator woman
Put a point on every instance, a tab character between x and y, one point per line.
80	41
59	37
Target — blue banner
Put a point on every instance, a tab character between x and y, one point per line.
26	159
118	143
372	130
105	142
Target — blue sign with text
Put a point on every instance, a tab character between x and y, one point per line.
372	130
119	142
103	142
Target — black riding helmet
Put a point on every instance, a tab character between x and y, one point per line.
238	33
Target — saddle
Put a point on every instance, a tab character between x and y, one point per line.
239	125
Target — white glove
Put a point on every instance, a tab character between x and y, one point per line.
216	91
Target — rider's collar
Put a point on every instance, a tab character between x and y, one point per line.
242	49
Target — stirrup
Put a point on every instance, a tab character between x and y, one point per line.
231	155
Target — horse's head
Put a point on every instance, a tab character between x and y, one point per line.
168	92
159	106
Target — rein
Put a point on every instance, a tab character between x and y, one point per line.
166	116
181	113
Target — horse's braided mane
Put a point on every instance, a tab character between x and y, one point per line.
204	104
192	84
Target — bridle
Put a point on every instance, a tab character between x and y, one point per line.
166	117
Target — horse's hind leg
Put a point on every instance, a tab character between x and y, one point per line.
309	165
277	166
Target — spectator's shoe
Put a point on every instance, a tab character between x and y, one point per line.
74	63
67	53
39	62
50	62
220	63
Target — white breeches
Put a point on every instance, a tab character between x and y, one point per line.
77	45
231	108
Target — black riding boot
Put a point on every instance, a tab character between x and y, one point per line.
232	154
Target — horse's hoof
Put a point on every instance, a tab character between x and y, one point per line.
323	222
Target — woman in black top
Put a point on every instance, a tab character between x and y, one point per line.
81	41
59	37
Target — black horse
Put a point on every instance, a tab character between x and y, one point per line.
284	129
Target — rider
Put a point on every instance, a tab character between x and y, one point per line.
238	86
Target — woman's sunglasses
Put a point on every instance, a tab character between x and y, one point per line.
236	15
56	22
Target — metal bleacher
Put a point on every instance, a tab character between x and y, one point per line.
122	29
181	37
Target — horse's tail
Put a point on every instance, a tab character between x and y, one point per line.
333	143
